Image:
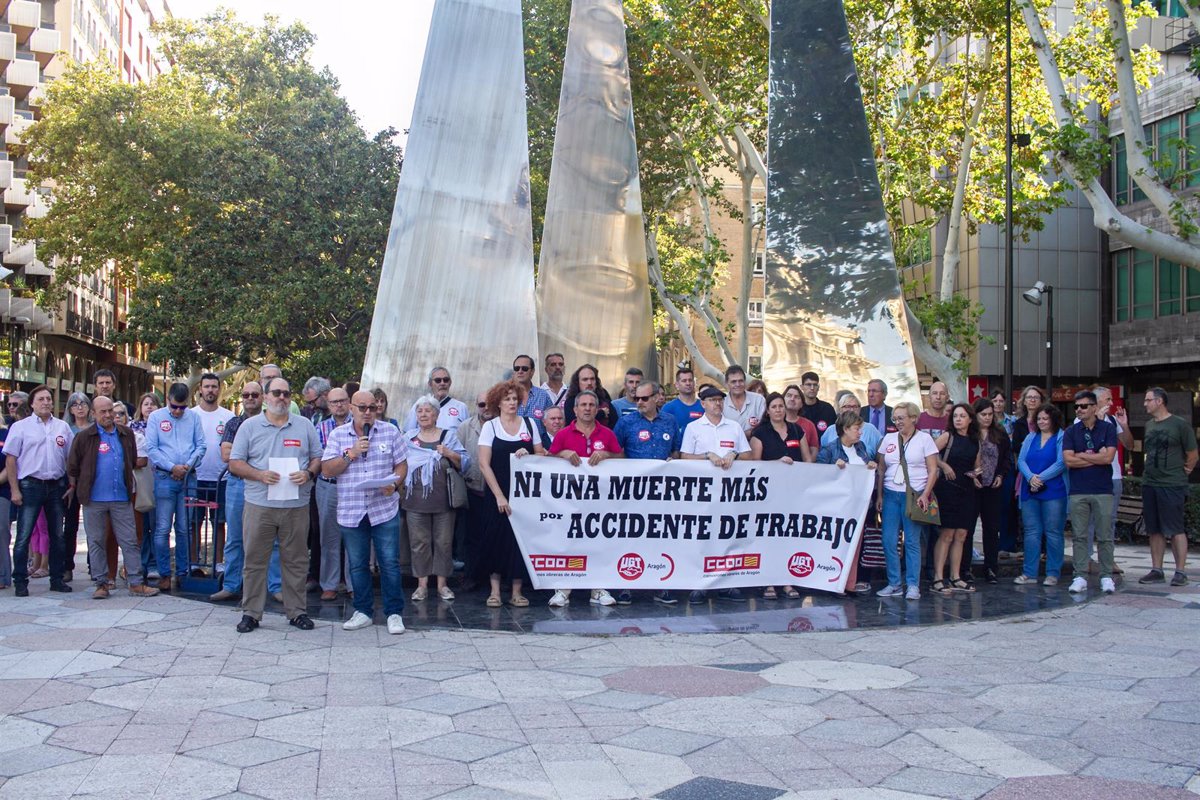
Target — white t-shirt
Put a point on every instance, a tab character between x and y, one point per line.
140	440
213	424
751	413
918	447
701	437
493	430
451	415
852	456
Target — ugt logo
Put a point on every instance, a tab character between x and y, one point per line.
801	565
631	566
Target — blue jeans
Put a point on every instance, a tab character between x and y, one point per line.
170	497
36	496
1044	518
149	562
893	518
386	538
235	553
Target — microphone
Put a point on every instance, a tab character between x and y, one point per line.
366	435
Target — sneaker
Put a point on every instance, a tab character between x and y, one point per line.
1022	580
1153	576
697	597
1179	579
560	599
395	624
665	598
21	590
1079	585
625	598
1050	581
991	577
891	590
357	620
601	597
731	594
1107	585
913	593
142	590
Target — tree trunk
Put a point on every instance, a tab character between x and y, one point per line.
939	364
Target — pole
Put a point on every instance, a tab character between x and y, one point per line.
1008	209
1050	342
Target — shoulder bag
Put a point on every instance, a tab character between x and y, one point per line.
456	485
929	515
143	498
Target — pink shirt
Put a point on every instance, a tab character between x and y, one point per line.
571	438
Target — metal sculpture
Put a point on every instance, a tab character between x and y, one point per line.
457	282
593	289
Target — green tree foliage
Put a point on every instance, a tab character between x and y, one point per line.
237	192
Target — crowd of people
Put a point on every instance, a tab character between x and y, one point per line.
312	496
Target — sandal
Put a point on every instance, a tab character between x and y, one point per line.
41	573
959	585
939	587
494	601
791	592
520	601
769	593
420	594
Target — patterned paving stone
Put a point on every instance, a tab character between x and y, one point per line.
466	747
449	704
247	752
1077	787
838	676
685	681
717	789
663	740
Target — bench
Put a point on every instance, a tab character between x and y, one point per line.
1129	517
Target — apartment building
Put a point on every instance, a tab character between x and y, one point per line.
63	348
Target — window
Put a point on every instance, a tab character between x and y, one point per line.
754	366
754	310
1121	289
760	265
1168	147
1143	285
914	245
1120	172
1170	289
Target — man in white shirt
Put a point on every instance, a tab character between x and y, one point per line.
453	412
210	484
745	408
720	440
555	367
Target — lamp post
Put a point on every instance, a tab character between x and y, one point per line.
1042	289
1008	208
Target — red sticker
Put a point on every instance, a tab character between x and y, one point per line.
695	414
822	425
164	426
598	446
454	412
525	436
754	422
291	442
891	448
104	448
643	436
220	428
792	443
726	443
538	413
61	441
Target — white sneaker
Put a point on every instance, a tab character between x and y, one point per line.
891	590
601	597
1050	580
1107	585
1022	580
1079	585
395	624
357	621
913	593
560	599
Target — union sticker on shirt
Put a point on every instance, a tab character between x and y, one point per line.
822	425
792	443
220	428
538	413
525	437
726	443
165	426
643	436
104	448
454	412
384	448
61	441
891	448
598	446
695	414
291	442
666	437
754	422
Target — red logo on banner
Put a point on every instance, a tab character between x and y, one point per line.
549	563
733	563
631	566
801	565
800	625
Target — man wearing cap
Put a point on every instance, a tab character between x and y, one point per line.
719	440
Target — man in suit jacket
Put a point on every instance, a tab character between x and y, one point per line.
876	412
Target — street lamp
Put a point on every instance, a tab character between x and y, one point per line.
1042	289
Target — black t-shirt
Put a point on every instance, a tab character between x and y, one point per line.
820	414
775	448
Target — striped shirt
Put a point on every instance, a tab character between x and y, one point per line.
388	449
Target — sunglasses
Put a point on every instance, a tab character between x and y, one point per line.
177	408
251	395
481	405
439	380
280	393
641	397
367	409
14	405
522	369
1083	405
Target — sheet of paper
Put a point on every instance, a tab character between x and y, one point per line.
378	483
285	489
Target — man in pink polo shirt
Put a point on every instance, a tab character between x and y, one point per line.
584	439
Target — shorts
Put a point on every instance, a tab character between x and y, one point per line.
1162	509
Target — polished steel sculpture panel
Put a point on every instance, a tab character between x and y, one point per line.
833	297
457	282
593	289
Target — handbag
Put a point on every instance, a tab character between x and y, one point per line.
456	484
143	498
929	515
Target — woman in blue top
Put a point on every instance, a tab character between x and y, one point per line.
1043	496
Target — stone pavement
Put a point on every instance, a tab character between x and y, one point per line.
161	697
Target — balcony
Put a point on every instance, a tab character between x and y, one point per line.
83	326
21	254
5	238
18	197
40	206
45	44
22	75
8	48
6	179
7	110
38	268
22	121
24	17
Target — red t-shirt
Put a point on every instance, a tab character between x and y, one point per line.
571	438
810	434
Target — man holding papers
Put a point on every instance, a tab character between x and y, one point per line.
278	454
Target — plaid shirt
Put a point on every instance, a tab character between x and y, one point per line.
387	450
326	427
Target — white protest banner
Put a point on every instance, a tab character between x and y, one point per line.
642	524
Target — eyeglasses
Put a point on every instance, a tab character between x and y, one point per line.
251	395
1083	405
522	368
481	405
79	403
280	393
439	380
339	400
367	409
641	397
14	405
177	408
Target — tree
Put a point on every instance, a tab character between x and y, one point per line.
237	192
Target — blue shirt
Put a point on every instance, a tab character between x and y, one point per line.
109	486
1045	462
871	437
643	438
1096	479
171	441
683	413
624	407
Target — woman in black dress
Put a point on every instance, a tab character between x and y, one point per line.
776	439
995	462
957	496
504	435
